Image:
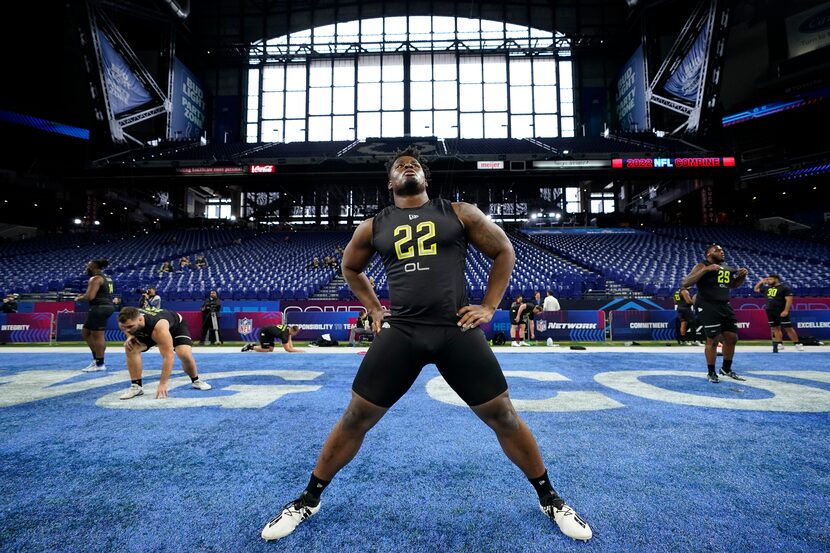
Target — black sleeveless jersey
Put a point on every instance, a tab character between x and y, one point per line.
423	250
777	297
277	332
715	285
679	300
152	316
105	291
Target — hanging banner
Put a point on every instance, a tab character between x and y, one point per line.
188	106
684	82
808	30
25	327
124	90
631	94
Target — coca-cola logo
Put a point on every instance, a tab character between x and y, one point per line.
818	22
262	168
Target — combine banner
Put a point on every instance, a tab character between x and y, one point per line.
314	325
812	323
643	325
25	327
244	326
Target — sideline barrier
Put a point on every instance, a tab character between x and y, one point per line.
26	327
315	324
643	325
571	325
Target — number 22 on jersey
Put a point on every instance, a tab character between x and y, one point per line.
404	250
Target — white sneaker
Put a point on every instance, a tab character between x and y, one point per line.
133	391
781	347
798	347
200	384
523	343
93	368
515	344
291	516
570	523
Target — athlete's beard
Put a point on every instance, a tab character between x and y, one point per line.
411	187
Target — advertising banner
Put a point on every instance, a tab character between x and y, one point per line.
315	324
124	90
323	306
631	94
574	326
808	30
243	326
814	323
643	325
188	106
70	325
25	327
684	81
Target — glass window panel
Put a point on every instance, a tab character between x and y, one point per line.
495	97
566	74
371	30
278	40
319	129
395	29
392	123
566	95
368	96
348	31
295	77
419	28
492	29
446	124
534	32
521	99
472	125
471	97
567	109
251	133
368	69
546	126
393	68
324	34
544	99
443	67
320	73
469	27
343	72
300	37
295	130
596	206
420	67
520	71
469	69
253	116
272	105
420	95
273	78
253	102
271	131
495	125
343	128
295	104
443	28
521	126
319	101
567	127
344	99
495	69
368	125
515	31
446	95
392	96
421	123
544	71
253	82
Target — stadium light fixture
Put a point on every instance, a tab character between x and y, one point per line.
96	223
76	221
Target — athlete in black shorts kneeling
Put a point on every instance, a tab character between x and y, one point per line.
270	334
166	329
423	246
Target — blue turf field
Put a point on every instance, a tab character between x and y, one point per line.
81	470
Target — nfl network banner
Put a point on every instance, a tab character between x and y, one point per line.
631	93
244	326
643	325
314	325
574	326
25	327
187	99
124	90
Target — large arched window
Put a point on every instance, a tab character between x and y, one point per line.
449	77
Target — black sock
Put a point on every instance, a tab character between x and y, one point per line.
316	486
727	365
99	361
711	369
542	485
137	381
194	378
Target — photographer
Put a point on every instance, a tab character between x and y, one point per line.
10	304
210	322
150	299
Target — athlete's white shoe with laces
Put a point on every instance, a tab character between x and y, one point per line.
799	347
200	384
133	391
93	368
570	523
291	516
515	344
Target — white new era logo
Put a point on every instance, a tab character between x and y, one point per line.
413	217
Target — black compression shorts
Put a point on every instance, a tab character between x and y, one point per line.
686	314
716	318
180	333
98	316
775	318
399	352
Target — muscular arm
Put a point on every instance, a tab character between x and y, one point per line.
490	239
356	258
740	278
686	296
164	341
787	305
697	273
91	288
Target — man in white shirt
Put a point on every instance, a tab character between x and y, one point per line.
550	303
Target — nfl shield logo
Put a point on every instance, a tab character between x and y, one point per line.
244	326
541	325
